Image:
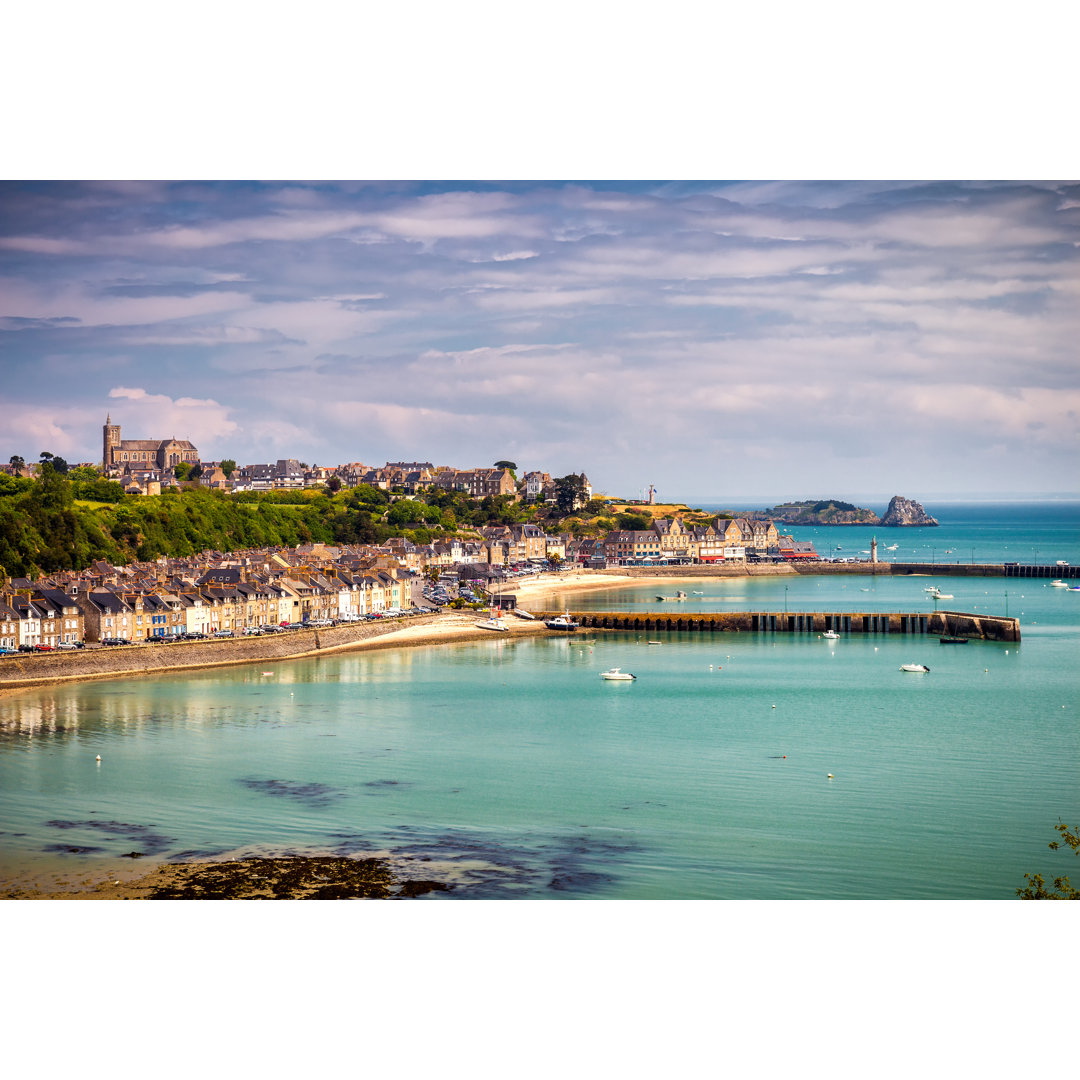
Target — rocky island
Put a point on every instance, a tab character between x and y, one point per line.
821	512
903	511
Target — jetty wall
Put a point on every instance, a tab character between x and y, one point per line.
951	623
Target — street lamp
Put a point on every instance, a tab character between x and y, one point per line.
785	599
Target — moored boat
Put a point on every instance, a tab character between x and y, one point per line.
953	640
1059	584
562	622
831	635
617	675
914	667
679	595
494	623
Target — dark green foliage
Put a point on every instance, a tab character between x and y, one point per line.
633	521
826	503
1061	888
570	492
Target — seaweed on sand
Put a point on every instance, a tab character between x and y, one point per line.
324	877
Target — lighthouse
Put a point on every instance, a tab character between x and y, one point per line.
873	550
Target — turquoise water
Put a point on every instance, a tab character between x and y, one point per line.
510	769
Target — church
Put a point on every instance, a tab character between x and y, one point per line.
120	455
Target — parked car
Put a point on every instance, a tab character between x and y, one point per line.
43	648
5	651
69	646
223	633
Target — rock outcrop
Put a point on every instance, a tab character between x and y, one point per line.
903	511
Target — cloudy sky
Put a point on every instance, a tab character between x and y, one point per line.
717	340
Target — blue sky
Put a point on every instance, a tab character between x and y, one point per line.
794	339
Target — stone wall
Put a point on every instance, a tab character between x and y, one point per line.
28	669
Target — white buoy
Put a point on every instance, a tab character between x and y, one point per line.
774	706
98	757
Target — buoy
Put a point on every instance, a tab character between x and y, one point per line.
830	776
785	756
98	757
774	706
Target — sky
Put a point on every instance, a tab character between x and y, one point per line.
787	339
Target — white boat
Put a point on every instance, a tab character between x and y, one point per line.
914	667
1059	584
494	623
892	547
562	622
679	595
615	675
937	594
831	635
522	614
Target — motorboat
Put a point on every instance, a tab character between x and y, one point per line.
831	635
937	594
892	547
679	595
914	667
562	622
616	675
1059	584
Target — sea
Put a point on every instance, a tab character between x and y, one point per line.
750	766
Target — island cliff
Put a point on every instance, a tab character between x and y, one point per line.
903	511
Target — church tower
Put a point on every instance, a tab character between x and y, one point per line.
110	441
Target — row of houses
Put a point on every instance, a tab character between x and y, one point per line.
670	540
139	606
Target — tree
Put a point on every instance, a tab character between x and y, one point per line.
182	470
334	484
508	465
570	492
1061	889
228	466
17	462
196	471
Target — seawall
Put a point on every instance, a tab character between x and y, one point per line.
951	623
107	662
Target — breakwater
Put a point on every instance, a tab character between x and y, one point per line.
951	623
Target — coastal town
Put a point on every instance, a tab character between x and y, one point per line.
270	589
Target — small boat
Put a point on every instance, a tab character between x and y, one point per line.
653	642
562	622
914	667
679	595
1059	584
495	623
698	592
937	594
522	614
831	635
615	675
892	547
953	640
